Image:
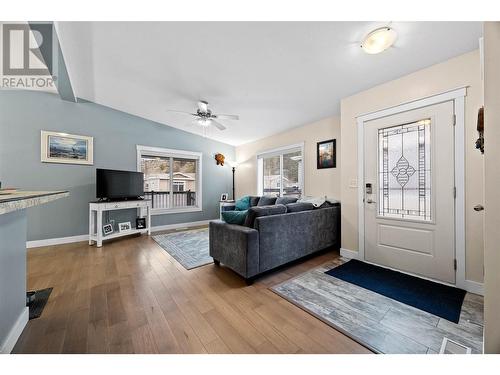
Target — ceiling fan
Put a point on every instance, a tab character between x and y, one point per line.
206	118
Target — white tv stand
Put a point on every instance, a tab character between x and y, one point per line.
96	210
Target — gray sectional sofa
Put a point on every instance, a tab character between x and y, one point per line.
273	235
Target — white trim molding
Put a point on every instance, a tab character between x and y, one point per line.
279	151
85	237
191	224
15	332
171	153
351	254
178	210
474	287
56	241
457	96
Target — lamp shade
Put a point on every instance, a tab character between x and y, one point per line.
232	163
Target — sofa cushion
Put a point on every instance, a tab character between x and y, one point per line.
234	217
299	206
255	212
242	204
286	200
267	200
254	201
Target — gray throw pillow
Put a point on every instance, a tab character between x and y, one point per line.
299	206
254	201
258	211
267	200
286	200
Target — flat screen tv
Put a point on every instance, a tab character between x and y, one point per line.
119	185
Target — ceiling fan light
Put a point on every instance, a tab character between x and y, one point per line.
204	122
379	40
203	106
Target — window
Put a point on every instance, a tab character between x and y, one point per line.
280	171
178	186
405	171
172	178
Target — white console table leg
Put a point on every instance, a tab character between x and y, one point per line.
148	210
91	225
99	228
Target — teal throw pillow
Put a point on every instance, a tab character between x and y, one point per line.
242	204
234	217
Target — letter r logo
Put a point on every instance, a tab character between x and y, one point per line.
27	49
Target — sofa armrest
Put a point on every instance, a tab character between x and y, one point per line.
235	246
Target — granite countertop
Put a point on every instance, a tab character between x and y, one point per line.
24	199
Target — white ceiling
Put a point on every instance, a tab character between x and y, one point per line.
275	75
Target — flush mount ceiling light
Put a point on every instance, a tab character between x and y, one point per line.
379	40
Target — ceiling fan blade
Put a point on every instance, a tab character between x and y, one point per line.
183	112
218	125
227	117
203	106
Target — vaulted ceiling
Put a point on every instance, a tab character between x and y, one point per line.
275	75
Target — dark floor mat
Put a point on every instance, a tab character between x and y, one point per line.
36	307
438	299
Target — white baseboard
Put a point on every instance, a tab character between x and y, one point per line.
85	237
351	254
15	332
474	287
179	225
56	241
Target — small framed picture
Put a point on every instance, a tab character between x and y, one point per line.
140	223
124	227
223	197
327	154
107	229
66	148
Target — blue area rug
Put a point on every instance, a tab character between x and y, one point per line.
438	299
189	248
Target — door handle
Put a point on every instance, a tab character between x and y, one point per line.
370	201
478	207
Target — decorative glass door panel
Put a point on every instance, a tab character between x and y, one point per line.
409	215
404	171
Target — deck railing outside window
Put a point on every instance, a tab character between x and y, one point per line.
161	199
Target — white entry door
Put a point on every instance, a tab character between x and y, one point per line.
409	213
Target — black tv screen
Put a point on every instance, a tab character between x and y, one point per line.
112	184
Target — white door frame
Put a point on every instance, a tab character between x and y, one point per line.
458	98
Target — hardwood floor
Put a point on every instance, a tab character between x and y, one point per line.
130	296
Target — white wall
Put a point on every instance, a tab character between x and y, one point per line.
460	71
318	182
492	183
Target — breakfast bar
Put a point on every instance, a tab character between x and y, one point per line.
13	228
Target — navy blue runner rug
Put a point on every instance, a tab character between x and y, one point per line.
438	299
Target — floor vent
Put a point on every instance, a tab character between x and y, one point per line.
452	347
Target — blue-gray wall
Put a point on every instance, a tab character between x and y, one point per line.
23	114
12	271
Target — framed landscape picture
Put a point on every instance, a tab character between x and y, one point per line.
327	154
66	148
